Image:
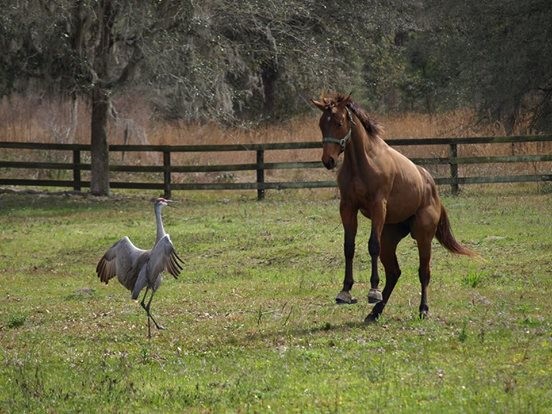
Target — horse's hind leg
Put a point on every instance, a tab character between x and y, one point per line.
424	272
391	236
423	230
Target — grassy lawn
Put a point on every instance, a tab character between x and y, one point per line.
251	323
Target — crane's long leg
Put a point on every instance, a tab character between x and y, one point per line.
143	304
147	309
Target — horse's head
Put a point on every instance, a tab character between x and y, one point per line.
336	126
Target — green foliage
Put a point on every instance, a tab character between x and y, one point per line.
252	324
16	321
209	60
495	55
473	279
463	334
254	61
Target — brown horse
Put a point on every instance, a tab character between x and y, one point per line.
399	197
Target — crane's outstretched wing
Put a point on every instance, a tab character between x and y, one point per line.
163	257
119	260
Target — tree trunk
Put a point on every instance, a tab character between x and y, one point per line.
99	182
269	75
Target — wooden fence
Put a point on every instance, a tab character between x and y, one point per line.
168	168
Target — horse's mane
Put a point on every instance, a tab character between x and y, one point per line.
372	127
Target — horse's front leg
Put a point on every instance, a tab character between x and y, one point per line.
378	214
350	224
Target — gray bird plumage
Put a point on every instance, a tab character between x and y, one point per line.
136	268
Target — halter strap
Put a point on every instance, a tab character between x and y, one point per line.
343	141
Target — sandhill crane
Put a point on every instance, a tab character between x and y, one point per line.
136	268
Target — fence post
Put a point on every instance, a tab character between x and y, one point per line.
76	170
260	175
453	155
167	173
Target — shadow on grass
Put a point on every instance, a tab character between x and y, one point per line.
303	332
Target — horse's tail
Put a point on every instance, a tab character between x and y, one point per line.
446	238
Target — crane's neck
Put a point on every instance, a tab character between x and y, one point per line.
159	222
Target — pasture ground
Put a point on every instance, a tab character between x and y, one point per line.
252	324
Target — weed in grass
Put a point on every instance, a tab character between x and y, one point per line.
145	353
377	373
473	279
29	378
523	308
481	336
16	321
82	294
463	334
113	380
531	322
545	187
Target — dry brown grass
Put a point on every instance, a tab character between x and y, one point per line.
38	119
34	118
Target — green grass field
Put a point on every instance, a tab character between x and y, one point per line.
251	323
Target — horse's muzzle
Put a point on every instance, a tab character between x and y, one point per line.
329	163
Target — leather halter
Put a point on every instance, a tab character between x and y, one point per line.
343	141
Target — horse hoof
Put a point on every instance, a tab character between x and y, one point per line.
374	296
345	298
424	315
371	318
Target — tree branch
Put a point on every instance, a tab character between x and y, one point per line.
129	70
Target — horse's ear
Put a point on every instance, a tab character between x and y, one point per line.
344	100
319	105
348	98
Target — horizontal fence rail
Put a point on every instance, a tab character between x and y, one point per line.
168	168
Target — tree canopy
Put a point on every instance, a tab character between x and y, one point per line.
261	59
